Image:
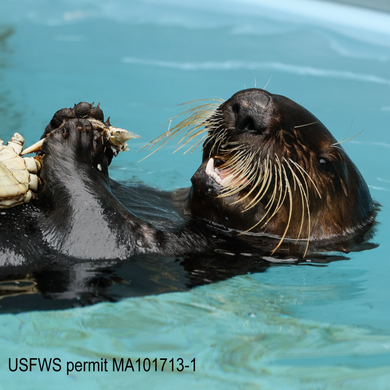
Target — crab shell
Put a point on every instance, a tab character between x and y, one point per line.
17	174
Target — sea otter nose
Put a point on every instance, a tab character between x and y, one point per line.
250	109
248	120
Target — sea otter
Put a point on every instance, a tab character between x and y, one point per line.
271	169
272	177
272	181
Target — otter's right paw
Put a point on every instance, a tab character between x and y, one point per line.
76	142
115	136
82	110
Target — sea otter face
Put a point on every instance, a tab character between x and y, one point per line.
270	167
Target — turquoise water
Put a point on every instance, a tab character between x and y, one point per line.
291	327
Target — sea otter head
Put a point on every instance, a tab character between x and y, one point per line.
269	166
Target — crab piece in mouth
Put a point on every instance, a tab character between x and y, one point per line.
222	176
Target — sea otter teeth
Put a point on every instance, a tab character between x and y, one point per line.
223	177
212	171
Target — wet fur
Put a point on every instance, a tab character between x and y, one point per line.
291	179
76	214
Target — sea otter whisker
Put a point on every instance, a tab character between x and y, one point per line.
265	185
277	188
241	179
263	180
214	122
275	177
298	182
236	181
266	85
337	147
189	138
349	139
303	171
248	167
196	144
198	117
305	194
309	224
219	139
232	184
290	209
307	124
245	166
270	203
233	161
240	162
169	135
280	201
304	180
226	149
233	146
206	142
183	141
258	176
252	179
241	168
294	176
281	190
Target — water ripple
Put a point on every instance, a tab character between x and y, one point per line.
247	65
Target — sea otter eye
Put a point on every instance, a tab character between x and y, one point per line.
324	164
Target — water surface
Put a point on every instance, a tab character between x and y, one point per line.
290	327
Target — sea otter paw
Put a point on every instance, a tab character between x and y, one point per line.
77	140
18	177
114	136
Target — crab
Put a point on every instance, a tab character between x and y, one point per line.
18	179
18	174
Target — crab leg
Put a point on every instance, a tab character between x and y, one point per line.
33	148
116	136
